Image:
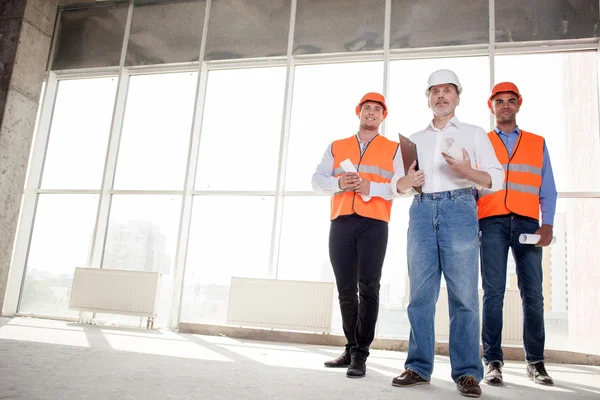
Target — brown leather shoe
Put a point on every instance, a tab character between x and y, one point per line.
341	361
409	378
537	372
493	376
468	386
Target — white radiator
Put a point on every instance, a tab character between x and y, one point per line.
512	329
115	291
279	304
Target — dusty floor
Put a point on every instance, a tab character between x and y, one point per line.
43	359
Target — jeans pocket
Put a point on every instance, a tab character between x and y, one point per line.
468	201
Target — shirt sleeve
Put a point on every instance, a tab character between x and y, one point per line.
548	193
486	160
323	180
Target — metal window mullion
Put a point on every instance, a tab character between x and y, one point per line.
492	51
598	78
105	200
18	265
185	221
283	149
110	165
386	56
386	77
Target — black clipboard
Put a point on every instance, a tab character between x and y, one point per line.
409	152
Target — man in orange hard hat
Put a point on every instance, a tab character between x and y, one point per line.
361	202
505	215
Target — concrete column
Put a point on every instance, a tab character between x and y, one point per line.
25	34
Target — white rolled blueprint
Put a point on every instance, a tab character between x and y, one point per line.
347	166
530	238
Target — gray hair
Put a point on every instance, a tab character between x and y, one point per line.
458	92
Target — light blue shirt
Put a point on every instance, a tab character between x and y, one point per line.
548	194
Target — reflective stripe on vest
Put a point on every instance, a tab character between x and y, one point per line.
368	169
375	164
522	178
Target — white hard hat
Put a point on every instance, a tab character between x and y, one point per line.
442	76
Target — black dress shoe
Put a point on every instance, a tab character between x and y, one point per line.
358	366
341	361
468	386
493	376
537	372
408	378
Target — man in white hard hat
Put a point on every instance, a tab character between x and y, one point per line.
453	158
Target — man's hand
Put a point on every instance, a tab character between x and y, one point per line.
545	233
462	168
411	179
349	180
363	187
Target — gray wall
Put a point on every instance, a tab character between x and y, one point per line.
26	30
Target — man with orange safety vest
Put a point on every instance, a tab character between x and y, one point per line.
361	203
505	215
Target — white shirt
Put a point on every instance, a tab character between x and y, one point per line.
438	175
323	180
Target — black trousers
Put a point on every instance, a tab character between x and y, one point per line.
357	248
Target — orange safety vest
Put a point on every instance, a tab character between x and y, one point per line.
375	164
520	193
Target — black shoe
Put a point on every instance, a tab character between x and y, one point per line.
468	386
358	366
341	361
409	378
537	372
493	376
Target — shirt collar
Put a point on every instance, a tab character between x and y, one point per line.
358	138
516	131
454	121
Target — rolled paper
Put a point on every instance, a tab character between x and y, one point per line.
347	166
530	238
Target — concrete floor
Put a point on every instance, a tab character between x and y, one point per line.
43	359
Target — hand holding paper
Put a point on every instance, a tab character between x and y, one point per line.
347	166
450	147
532	238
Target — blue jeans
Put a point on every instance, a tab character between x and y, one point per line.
498	234
442	238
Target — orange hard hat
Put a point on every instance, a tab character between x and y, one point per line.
373	96
505	87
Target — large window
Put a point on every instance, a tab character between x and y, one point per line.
323	110
560	103
65	217
156	132
230	236
241	130
231	233
142	234
79	134
61	241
